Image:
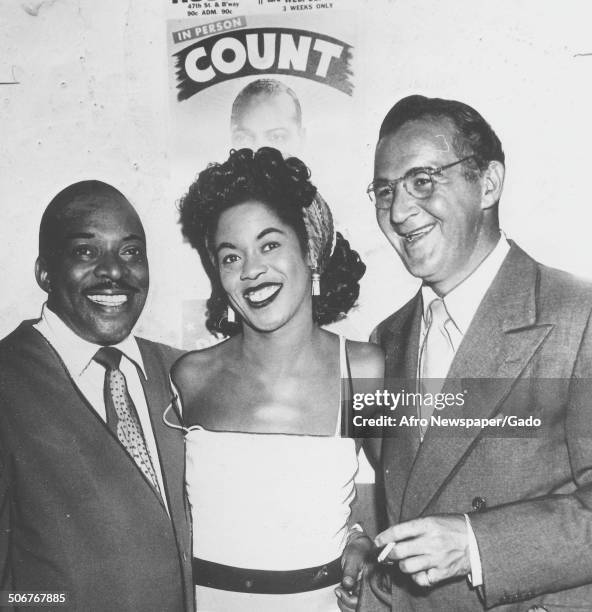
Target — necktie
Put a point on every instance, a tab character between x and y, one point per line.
436	355
122	417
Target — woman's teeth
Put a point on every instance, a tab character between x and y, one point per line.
256	296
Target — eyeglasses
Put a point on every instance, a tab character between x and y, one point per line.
418	183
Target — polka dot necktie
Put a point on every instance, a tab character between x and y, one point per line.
122	417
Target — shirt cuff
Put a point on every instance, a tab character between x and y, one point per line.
476	574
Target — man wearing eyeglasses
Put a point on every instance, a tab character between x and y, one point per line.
497	512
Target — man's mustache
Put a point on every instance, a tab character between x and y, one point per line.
111	286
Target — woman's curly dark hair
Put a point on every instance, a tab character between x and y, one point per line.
284	186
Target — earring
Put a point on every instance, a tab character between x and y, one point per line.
316	283
230	314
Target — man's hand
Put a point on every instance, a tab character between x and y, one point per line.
430	549
352	561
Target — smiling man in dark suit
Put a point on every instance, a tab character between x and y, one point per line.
480	517
91	480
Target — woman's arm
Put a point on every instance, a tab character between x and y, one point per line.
366	363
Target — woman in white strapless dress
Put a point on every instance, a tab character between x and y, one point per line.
269	476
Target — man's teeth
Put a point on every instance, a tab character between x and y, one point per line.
259	295
108	300
418	233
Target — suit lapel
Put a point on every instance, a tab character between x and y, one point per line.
154	389
171	453
169	441
499	344
401	444
400	340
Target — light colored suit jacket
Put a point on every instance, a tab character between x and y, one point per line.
527	353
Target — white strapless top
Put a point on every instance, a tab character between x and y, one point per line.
270	501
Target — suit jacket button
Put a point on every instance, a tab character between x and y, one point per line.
479	503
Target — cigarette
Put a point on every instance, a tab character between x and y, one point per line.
385	551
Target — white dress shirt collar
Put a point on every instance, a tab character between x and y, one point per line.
462	302
76	352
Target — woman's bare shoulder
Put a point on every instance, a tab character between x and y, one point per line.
200	365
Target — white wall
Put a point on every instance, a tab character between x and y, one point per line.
92	102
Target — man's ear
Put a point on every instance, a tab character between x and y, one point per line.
493	183
42	274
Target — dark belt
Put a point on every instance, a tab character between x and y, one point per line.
243	580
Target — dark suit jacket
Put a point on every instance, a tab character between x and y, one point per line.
529	351
76	513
